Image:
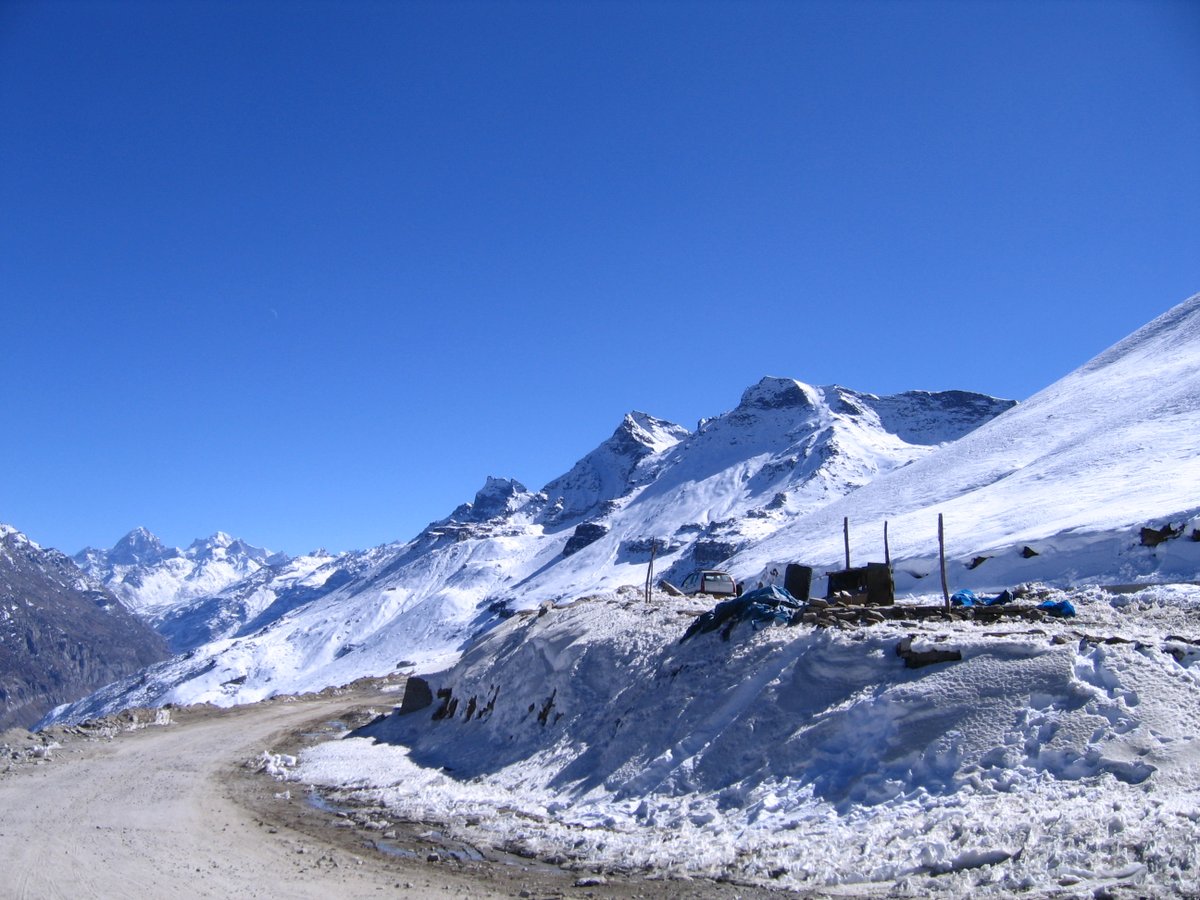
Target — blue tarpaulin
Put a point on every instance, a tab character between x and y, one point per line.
1058	608
999	599
967	598
963	598
770	605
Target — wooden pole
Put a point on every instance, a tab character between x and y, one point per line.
942	558
650	569
887	551
846	537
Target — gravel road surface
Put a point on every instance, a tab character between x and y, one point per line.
174	811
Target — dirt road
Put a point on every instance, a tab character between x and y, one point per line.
161	813
172	811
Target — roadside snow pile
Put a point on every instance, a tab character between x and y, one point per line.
1060	754
276	765
18	745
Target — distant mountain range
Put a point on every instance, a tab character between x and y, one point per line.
149	578
1056	488
192	596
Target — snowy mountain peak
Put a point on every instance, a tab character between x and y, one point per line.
217	541
7	532
779	393
498	497
607	473
652	433
147	575
138	547
224	546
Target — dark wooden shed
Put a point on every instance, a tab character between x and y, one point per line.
870	584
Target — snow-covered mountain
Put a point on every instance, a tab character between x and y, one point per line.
1056	489
149	577
61	634
1071	475
916	756
246	605
695	497
787	448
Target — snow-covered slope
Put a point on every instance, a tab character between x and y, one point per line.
1073	474
1056	760
786	449
696	497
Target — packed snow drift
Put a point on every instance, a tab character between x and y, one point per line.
1057	754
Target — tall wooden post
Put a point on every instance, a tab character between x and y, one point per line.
887	551
650	570
942	558
846	537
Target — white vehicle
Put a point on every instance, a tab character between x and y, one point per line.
709	581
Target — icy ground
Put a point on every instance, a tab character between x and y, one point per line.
1057	758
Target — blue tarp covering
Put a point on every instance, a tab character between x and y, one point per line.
1058	608
770	605
963	598
968	598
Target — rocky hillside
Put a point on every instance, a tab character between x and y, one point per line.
61	635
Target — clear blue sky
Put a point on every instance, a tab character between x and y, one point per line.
309	272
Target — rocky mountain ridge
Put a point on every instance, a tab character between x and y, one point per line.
61	634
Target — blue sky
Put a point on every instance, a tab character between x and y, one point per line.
309	272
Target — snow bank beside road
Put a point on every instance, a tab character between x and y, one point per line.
1051	755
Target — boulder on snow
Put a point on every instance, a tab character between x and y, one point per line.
417	695
915	659
585	533
1152	537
